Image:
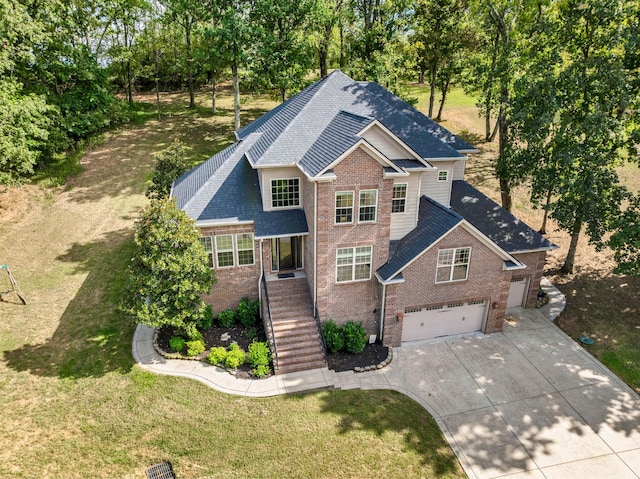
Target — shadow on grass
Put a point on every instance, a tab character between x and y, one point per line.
93	337
380	412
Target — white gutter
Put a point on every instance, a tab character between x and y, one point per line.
315	249
261	276
382	309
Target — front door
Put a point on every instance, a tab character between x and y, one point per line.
286	253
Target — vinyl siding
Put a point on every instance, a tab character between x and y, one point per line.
386	144
458	170
268	174
439	191
402	223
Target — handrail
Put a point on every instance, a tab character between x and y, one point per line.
272	338
319	326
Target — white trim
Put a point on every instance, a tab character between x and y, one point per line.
353	265
524	251
387	176
222	222
406	147
288	207
453	264
335	207
446	179
406	194
372	151
450	158
375	206
282	236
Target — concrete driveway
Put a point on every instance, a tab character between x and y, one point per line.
525	403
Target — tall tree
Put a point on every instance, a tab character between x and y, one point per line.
572	140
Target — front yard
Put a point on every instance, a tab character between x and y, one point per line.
75	405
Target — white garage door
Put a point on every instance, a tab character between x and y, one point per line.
516	292
445	320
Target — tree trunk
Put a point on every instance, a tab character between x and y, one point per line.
421	77
128	67
192	99
323	52
343	59
213	94
543	228
567	267
236	96
157	81
432	94
445	89
489	96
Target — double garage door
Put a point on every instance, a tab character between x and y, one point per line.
443	320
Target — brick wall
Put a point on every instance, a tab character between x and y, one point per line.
235	282
486	280
308	202
360	300
535	267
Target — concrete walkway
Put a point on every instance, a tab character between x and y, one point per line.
525	403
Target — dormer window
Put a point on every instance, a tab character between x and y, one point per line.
285	193
443	175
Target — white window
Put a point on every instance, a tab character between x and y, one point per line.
443	175
285	193
234	250
208	247
453	264
344	207
224	251
353	264
368	206
244	244
399	201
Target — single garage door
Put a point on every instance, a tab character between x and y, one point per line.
443	320
517	289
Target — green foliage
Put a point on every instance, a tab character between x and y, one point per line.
625	241
248	311
195	347
355	337
236	357
207	319
169	270
177	343
259	354
251	333
217	355
227	318
333	336
170	164
261	370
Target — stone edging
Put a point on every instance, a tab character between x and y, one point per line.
167	355
376	366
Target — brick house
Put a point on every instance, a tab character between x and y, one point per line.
345	202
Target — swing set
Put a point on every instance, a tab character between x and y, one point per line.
14	285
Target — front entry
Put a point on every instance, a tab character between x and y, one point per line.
286	253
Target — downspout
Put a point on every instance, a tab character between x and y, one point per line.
260	279
315	249
382	311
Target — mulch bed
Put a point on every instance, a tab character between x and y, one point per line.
372	355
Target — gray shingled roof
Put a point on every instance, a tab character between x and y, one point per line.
504	229
294	131
434	220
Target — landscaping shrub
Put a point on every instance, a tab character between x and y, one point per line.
195	335
217	355
226	318
207	319
248	311
333	336
195	347
177	344
259	354
251	333
355	337
261	371
235	357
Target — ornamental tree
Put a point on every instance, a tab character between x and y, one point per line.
169	270
170	164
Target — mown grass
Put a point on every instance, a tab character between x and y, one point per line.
74	404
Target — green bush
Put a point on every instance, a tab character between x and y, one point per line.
195	335
251	333
259	353
355	337
333	336
177	343
261	371
226	318
195	347
217	355
248	311
235	357
207	319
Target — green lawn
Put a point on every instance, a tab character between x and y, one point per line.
74	404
